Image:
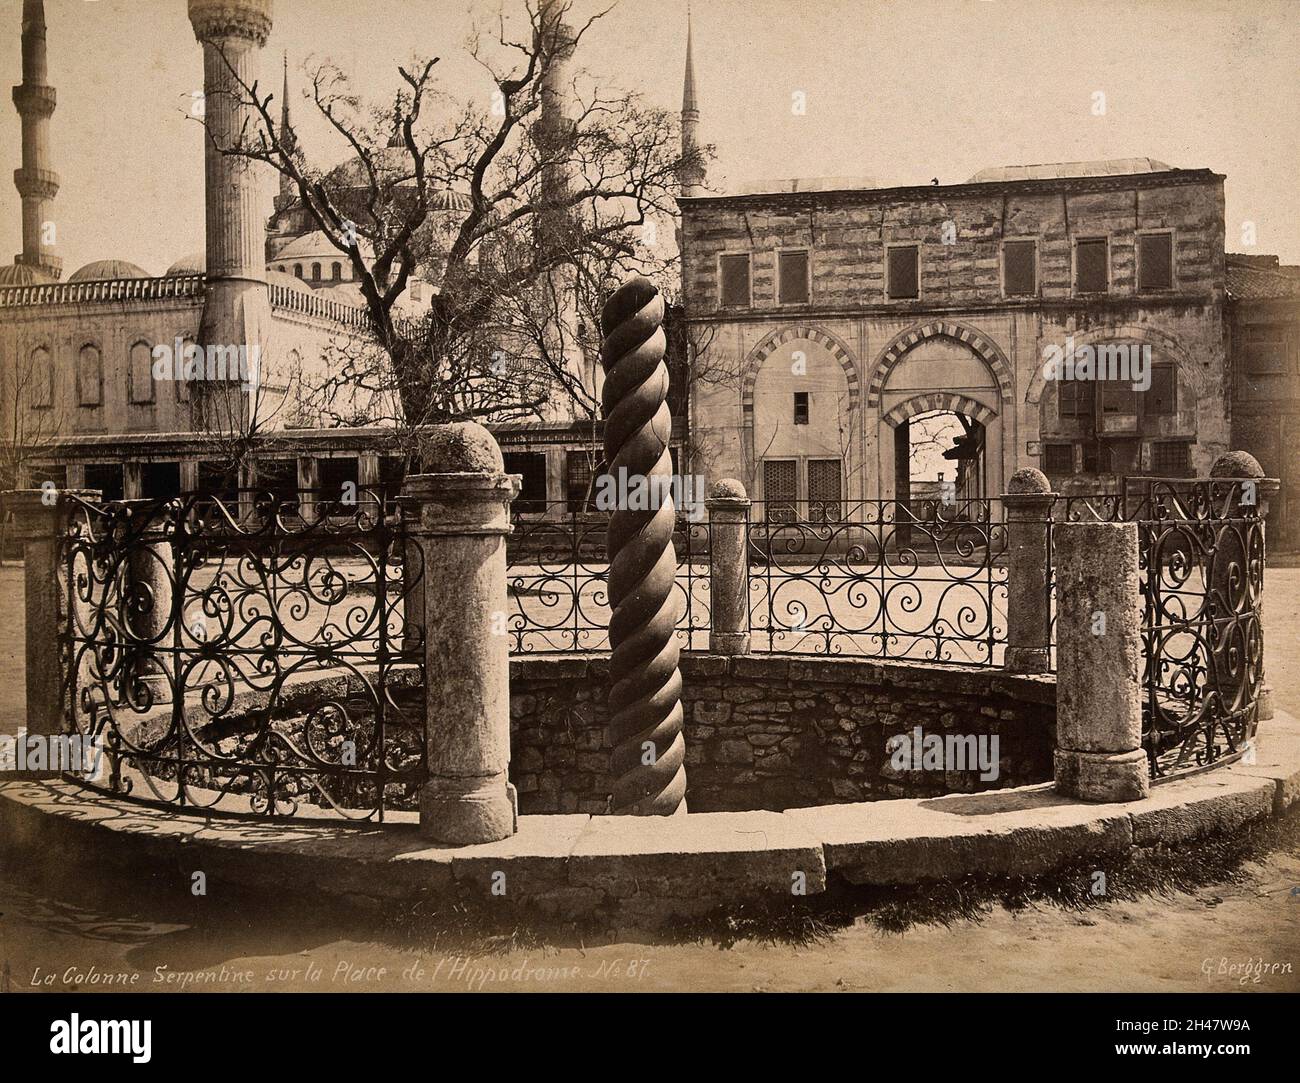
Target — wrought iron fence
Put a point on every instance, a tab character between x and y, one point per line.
189	623
881	581
556	578
1201	560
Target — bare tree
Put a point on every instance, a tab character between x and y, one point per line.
496	205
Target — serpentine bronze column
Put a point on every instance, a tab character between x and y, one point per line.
645	693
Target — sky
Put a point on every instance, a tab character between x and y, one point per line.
899	91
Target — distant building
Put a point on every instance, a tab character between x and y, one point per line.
1264	362
846	310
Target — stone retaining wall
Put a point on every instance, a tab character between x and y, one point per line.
773	732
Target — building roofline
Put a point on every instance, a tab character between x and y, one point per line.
1044	185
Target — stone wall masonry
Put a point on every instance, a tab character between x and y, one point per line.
773	732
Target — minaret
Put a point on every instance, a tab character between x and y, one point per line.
551	132
36	182
692	172
288	190
236	309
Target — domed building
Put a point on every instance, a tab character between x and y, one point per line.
93	348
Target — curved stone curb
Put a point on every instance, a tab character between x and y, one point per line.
656	867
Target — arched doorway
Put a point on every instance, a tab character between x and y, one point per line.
933	370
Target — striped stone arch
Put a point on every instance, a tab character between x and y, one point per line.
1131	332
983	346
939	400
779	338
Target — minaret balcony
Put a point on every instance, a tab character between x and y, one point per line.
34	101
40	183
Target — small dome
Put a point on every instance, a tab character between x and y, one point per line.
348	293
23	274
279	278
193	264
104	269
309	246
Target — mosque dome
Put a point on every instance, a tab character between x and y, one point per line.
193	264
105	269
23	274
279	278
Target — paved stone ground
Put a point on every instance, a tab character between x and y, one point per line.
1158	943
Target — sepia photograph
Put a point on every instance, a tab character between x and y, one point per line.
651	496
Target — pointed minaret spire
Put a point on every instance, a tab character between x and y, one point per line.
691	175
288	193
36	182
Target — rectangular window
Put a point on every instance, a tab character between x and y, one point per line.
1161	398
1118	397
338	479
160	481
824	494
1091	273
1075	398
107	478
904	273
531	467
734	290
780	490
1019	270
1156	261
1119	456
801	407
219	480
579	475
1171	460
792	277
1264	347
278	478
1058	459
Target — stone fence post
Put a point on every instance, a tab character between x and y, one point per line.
1028	503
1099	754
728	508
40	517
459	519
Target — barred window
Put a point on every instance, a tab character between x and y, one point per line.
780	490
1058	459
578	480
1171	460
824	491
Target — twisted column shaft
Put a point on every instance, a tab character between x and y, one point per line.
645	707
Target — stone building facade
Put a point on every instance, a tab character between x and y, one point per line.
1264	358
835	314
